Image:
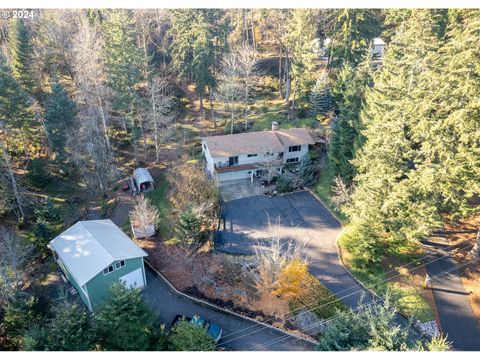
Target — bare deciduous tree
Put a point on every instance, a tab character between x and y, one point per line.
90	152
229	89
160	118
15	255
89	72
272	255
249	74
273	166
342	193
5	161
144	215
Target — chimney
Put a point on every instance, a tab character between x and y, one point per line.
274	125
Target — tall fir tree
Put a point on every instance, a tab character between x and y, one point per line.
197	38
388	195
22	55
352	35
346	131
60	113
320	98
123	61
123	64
301	31
15	114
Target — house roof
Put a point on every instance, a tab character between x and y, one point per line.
142	175
88	247
256	142
290	137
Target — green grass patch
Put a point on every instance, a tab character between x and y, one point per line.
323	189
159	198
318	299
408	298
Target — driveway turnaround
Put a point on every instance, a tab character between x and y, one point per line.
298	217
456	315
238	333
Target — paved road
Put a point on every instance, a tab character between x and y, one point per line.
238	333
301	218
456	315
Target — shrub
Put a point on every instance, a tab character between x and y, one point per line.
363	241
291	283
307	172
283	185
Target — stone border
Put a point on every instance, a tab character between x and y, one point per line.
227	311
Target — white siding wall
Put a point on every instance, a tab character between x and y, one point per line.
296	154
208	159
244	159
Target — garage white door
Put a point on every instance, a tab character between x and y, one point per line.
234	175
133	279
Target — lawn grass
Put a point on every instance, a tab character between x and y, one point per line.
402	289
159	198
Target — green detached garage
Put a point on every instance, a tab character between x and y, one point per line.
94	254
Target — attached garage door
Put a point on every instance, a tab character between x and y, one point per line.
234	175
133	279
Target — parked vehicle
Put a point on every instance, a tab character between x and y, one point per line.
213	330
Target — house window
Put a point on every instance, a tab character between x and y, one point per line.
294	148
251	155
292	160
233	160
108	270
119	264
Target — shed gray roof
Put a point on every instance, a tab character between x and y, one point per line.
88	247
256	142
142	175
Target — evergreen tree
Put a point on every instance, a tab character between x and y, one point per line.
188	336
14	107
352	35
388	194
374	328
307	172
320	98
69	330
346	131
301	31
188	229
194	53
125	322
123	64
60	112
22	53
46	227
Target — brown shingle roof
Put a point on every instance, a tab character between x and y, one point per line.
290	137
256	142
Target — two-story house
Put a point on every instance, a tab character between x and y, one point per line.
250	155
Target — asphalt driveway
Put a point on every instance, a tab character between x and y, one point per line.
456	315
238	333
299	217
